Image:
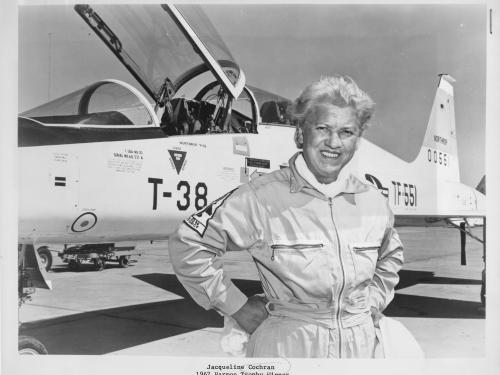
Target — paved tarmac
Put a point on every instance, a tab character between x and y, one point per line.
143	309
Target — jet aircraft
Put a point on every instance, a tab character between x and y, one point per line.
110	165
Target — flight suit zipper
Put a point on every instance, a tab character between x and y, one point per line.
339	304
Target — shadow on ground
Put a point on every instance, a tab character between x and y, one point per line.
109	330
409	278
88	267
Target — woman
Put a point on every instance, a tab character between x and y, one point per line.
322	240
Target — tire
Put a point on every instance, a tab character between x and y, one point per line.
124	261
74	265
98	264
46	257
27	345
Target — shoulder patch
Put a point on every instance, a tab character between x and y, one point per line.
199	221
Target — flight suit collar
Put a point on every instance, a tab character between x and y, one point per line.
298	183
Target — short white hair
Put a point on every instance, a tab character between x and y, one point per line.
338	90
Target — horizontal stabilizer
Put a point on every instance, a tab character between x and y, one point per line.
481	187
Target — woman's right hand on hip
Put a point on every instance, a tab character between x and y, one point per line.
252	313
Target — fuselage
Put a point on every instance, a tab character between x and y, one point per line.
142	189
110	163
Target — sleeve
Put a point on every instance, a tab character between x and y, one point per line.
389	263
230	221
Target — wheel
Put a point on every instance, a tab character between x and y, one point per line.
124	261
30	346
98	264
45	257
74	265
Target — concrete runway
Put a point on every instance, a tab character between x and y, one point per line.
143	309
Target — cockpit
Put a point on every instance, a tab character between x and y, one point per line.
114	103
189	82
104	103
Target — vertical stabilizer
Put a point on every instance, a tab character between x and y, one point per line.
440	141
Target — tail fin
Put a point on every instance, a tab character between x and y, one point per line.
439	148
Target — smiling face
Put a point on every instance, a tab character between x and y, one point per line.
329	139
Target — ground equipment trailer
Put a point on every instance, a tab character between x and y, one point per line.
97	255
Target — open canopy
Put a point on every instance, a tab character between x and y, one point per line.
162	45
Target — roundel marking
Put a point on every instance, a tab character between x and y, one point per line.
84	222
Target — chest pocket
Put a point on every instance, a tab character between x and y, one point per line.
365	256
304	267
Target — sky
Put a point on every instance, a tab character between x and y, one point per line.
394	53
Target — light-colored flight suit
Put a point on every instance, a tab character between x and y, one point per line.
323	262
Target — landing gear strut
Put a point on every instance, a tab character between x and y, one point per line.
483	274
29	279
464	232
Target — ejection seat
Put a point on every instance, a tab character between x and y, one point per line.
270	112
